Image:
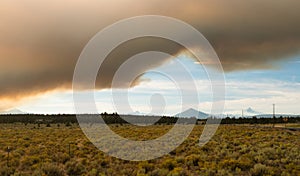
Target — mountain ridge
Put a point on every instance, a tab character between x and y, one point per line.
13	111
192	113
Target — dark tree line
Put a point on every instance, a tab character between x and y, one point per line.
36	118
117	119
83	118
262	120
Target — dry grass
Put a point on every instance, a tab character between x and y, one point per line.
234	150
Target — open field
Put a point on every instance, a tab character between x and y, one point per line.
234	150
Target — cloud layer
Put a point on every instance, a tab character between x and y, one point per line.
40	41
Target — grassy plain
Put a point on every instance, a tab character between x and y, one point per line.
234	150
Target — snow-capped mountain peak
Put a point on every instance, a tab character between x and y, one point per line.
252	111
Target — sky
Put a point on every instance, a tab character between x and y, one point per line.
258	43
258	89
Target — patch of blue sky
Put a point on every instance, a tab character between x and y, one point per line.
262	85
285	71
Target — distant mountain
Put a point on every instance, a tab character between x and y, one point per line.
13	111
137	113
192	113
251	111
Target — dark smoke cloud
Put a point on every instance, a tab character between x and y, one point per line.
40	41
